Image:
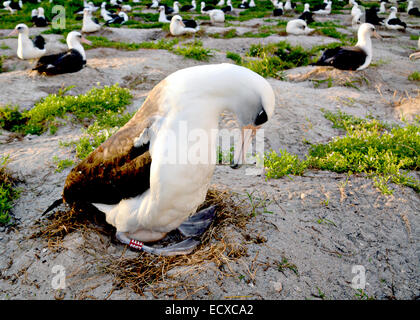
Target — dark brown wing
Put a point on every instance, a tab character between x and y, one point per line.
116	170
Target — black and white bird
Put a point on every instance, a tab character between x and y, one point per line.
356	14
394	23
153	5
178	27
411	10
129	177
34	15
107	15
189	7
186	23
352	58
307	15
90	24
298	27
278	8
244	5
205	8
120	19
27	48
321	6
168	9
12	6
70	61
40	20
163	18
289	6
325	11
372	16
228	7
382	8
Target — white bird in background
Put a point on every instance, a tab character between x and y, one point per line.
356	14
178	28
298	27
28	49
216	16
221	3
288	6
394	23
162	15
252	4
382	8
352	58
90	24
325	11
176	7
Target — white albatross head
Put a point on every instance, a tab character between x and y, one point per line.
74	40
204	92
21	29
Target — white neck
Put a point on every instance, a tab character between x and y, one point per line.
365	43
410	6
76	45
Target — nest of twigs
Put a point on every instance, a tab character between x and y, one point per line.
146	270
325	77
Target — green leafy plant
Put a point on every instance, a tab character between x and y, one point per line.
194	50
8	192
45	114
62	164
415	76
282	164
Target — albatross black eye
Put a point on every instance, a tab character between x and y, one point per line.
261	118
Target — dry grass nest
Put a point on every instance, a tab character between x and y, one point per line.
217	247
324	77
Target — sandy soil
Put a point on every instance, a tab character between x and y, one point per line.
364	226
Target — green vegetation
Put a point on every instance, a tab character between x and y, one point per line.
362	295
281	164
285	264
2	58
8	192
234	56
62	164
382	152
415	76
105	43
194	50
273	58
257	203
45	114
99	131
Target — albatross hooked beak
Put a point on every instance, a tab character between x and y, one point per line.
84	40
247	133
415	56
13	33
377	35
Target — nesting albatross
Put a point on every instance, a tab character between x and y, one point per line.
129	177
352	58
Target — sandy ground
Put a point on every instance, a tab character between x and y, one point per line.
362	226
